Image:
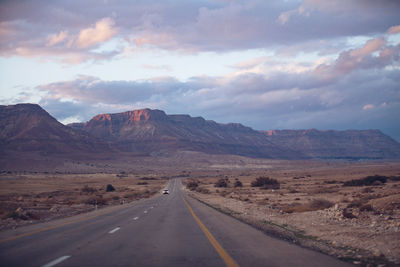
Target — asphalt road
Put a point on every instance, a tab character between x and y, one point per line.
166	230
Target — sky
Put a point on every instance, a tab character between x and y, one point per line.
273	64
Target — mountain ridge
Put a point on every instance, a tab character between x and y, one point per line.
28	127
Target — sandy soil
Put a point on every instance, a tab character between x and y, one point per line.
30	198
314	208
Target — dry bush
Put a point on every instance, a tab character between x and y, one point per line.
221	183
202	190
366	207
369	180
192	185
142	183
87	189
99	200
266	183
238	184
316	204
148	178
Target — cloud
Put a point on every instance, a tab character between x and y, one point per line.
189	26
65	45
368	106
394	29
103	31
54	39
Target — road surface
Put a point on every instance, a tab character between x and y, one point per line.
166	230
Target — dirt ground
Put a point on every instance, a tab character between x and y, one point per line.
30	198
313	207
308	204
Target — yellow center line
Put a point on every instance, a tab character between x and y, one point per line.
221	251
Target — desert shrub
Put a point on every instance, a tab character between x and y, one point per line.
238	184
96	200
316	204
394	178
110	188
142	183
221	183
331	182
320	204
192	185
366	207
369	180
87	189
15	216
147	178
266	183
202	190
347	213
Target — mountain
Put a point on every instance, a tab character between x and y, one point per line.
329	144
28	132
28	127
154	131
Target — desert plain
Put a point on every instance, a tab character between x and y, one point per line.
347	209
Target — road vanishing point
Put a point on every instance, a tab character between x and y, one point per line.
165	230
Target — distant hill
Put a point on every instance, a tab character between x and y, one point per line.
329	144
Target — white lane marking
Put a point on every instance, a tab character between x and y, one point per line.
145	211
56	261
136	218
114	230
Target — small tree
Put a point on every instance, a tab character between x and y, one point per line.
110	188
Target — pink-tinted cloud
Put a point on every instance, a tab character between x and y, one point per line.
69	47
103	31
368	106
394	29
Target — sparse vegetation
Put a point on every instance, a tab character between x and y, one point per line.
315	204
266	183
238	183
192	185
221	183
368	181
87	189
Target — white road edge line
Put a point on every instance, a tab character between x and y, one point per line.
136	218
56	261
114	230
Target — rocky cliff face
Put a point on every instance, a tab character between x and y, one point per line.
153	130
350	144
27	127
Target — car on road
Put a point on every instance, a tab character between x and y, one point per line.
165	192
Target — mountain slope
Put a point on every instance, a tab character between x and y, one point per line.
28	127
154	131
349	144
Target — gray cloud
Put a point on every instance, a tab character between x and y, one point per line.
288	26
